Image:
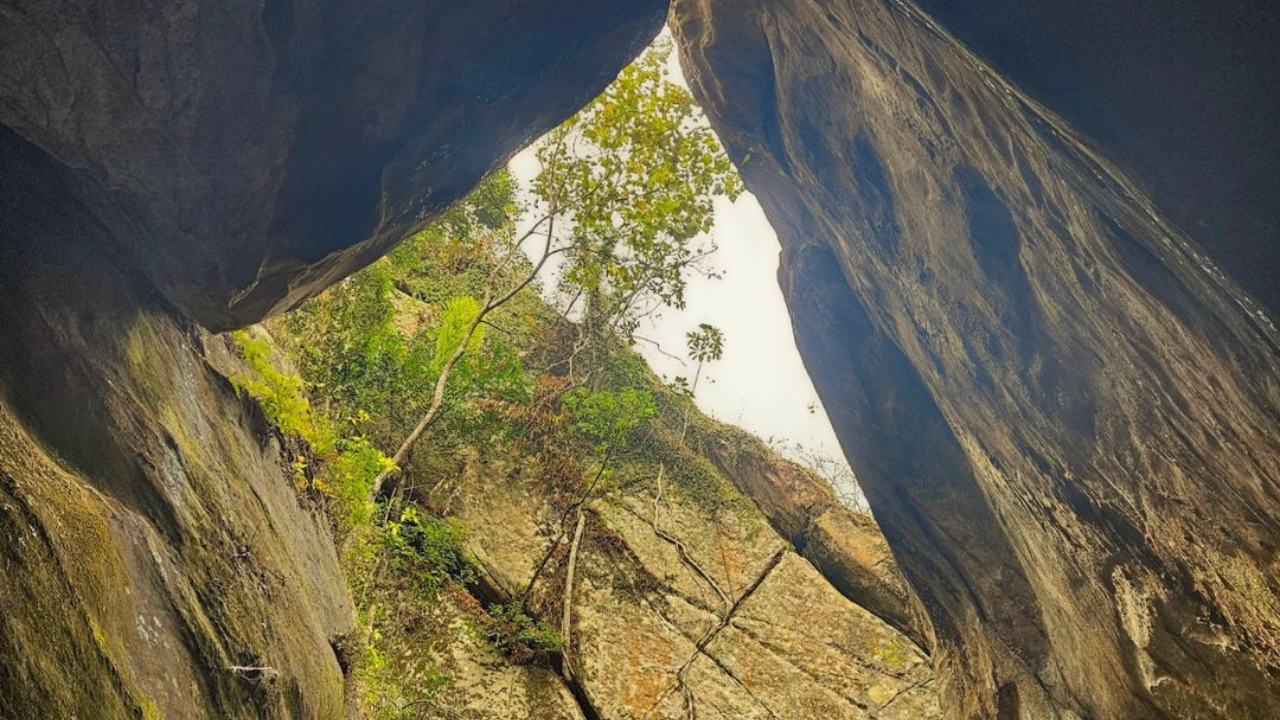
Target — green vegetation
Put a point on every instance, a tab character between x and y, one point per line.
280	394
449	339
428	549
608	419
522	638
636	178
351	462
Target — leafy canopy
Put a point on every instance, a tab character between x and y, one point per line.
608	419
636	175
706	344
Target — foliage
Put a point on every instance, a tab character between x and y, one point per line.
281	395
607	419
349	463
632	180
347	344
348	477
523	639
387	696
637	173
459	313
489	369
489	207
429	549
706	344
457	254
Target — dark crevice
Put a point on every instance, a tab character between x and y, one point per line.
487	592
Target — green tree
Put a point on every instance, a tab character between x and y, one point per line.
706	344
635	176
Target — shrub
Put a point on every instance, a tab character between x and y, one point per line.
281	395
428	548
523	639
608	419
348	465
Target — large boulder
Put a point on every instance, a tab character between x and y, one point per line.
246	154
1063	414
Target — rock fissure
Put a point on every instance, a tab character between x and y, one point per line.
700	647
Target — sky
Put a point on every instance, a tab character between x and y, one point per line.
760	384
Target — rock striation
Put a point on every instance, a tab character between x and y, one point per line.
1064	415
1180	92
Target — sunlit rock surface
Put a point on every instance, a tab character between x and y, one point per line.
715	616
1064	415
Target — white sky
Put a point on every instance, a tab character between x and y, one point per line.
760	383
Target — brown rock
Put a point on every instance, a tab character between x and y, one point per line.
846	547
853	555
805	652
752	628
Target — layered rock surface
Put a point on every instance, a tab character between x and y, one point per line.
1063	414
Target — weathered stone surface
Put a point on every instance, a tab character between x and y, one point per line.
807	654
720	615
853	555
846	546
151	536
1065	418
450	670
246	154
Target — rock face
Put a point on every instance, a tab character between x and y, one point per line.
151	538
218	161
247	154
710	615
1180	92
1064	416
844	545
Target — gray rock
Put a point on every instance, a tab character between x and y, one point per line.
247	154
1063	414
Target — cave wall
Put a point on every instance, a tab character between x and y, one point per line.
247	154
169	165
151	536
1182	93
1065	416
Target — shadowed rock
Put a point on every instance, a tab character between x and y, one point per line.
245	155
156	558
1182	92
1064	416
